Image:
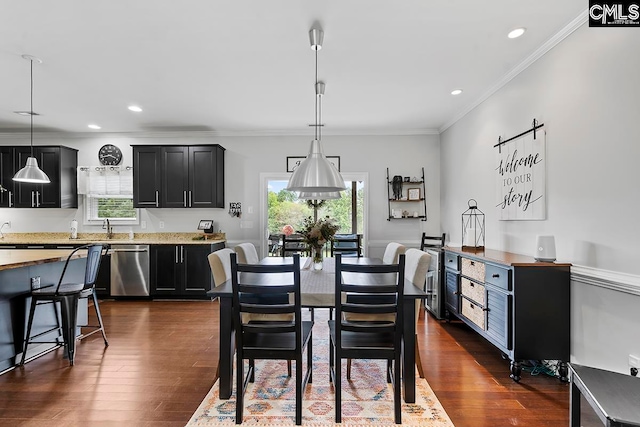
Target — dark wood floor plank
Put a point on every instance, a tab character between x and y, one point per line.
162	360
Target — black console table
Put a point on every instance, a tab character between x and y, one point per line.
614	397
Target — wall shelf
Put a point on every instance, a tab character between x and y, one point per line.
409	197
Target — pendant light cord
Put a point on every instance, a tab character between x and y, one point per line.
31	112
315	89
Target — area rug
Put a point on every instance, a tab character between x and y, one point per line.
367	399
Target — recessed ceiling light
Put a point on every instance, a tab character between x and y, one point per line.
516	33
456	92
135	108
94	126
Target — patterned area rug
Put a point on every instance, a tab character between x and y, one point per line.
367	399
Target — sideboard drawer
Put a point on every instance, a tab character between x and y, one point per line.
473	312
473	269
473	291
451	261
498	276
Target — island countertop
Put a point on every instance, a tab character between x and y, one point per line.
25	257
118	238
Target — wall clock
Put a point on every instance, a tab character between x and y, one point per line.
110	155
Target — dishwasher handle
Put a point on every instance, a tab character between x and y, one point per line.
129	250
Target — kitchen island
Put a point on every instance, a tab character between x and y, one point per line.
17	267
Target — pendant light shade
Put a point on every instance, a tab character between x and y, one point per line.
31	172
316	174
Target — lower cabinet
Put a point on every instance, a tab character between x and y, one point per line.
181	271
519	305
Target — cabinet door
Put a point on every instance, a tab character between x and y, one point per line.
146	177
165	270
499	318
48	195
197	273
24	192
103	281
6	176
175	177
452	292
203	184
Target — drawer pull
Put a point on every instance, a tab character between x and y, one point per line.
473	263
471	284
485	309
456	293
496	275
450	260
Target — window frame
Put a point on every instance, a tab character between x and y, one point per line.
88	206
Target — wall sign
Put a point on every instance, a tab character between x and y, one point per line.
521	177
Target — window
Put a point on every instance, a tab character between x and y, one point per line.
118	209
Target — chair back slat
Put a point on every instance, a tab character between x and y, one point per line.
370	297
272	290
347	245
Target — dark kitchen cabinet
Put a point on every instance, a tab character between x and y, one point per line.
6	177
179	176
179	271
60	165
146	176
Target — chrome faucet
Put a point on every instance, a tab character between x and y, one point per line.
1	227
108	227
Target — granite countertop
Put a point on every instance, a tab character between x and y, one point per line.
27	257
118	238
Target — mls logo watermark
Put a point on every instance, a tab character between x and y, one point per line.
614	14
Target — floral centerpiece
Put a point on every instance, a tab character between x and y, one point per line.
316	234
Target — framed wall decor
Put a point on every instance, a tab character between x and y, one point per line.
294	161
413	194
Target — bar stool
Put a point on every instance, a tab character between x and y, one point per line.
67	296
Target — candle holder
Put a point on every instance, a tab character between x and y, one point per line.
473	226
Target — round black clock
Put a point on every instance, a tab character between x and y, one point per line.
110	155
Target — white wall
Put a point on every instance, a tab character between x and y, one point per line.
586	92
245	158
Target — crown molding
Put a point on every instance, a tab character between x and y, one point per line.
576	23
222	133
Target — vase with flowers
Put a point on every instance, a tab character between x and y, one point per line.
316	234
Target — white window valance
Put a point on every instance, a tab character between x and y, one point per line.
105	180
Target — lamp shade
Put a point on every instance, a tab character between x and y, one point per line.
316	174
31	173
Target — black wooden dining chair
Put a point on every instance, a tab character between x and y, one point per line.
67	295
293	244
368	339
347	245
431	241
254	291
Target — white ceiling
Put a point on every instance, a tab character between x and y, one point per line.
242	66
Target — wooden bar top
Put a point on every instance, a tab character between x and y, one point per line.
17	258
508	258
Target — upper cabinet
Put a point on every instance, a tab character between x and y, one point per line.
407	197
59	163
178	176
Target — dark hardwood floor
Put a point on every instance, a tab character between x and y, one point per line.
162	360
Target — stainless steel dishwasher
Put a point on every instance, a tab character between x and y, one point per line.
130	270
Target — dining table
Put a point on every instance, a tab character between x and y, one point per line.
317	288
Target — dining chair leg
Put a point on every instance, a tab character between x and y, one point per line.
348	369
289	368
252	369
239	386
299	389
397	402
338	387
418	360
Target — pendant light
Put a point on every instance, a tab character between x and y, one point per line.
316	174
31	172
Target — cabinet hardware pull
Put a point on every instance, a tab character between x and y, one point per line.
184	198
157	205
176	254
485	309
472	284
456	293
37	199
189	198
33	193
181	254
473	263
496	275
10	204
